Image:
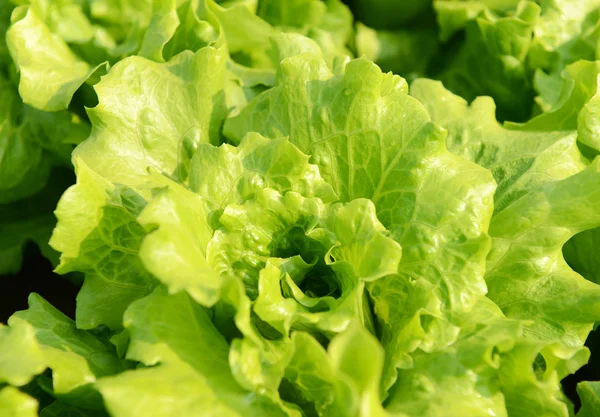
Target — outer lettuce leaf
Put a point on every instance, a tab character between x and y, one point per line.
14	403
581	253
22	358
541	287
97	234
536	215
493	61
62	409
77	358
567	31
74	40
32	143
45	89
103	241
461	379
155	115
574	108
371	140
590	398
518	160
176	333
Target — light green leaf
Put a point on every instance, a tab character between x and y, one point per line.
459	380
371	140
14	403
77	358
545	196
162	26
525	392
358	238
50	71
175	249
579	85
230	175
347	352
97	234
173	331
155	115
527	275
519	161
566	31
21	357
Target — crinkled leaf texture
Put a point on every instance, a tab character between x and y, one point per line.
371	140
352	251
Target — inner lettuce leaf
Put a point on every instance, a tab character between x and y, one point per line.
371	140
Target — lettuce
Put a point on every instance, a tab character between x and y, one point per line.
267	225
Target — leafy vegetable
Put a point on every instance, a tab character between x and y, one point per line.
267	223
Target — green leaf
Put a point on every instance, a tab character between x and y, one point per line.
230	175
589	392
97	234
14	403
574	107
566	31
527	275
77	358
22	357
518	160
62	409
137	124
371	140
50	71
460	379
322	384
581	253
492	61
525	392
177	334
175	249
545	196
32	142
162	26
356	237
